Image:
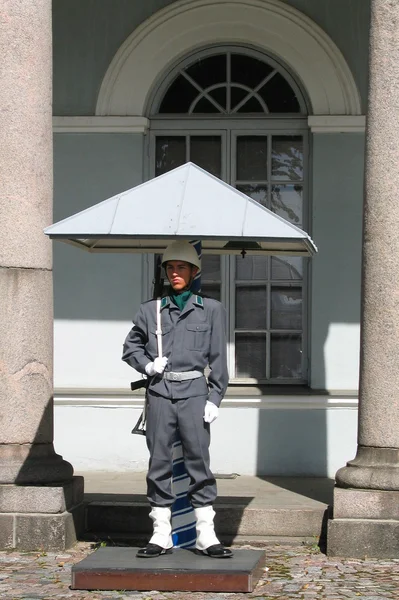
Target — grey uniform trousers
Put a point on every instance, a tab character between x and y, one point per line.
164	416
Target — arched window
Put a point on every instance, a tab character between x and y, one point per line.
242	117
230	83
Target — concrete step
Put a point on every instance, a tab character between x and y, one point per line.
246	508
131	519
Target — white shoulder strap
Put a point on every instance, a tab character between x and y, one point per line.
159	328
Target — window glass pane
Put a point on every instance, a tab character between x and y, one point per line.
279	96
206	152
205	106
209	71
170	153
220	95
237	94
248	70
251	267
251	307
251	157
287	158
287	202
179	96
286	308
212	290
252	105
257	192
286	356
210	266
284	267
250	355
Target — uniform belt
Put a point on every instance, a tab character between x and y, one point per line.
182	376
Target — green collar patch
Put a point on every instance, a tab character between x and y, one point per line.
165	301
199	301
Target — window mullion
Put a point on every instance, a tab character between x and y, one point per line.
269	171
228	83
254	92
188	147
268	336
269	260
231	290
231	279
204	93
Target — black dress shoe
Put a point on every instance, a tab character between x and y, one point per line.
152	551
216	551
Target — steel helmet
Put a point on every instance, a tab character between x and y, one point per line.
181	250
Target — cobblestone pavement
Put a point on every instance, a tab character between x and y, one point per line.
295	571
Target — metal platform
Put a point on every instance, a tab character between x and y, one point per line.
113	568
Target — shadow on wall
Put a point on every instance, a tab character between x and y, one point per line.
87	170
292	443
96	286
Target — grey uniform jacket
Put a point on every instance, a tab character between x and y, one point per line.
192	339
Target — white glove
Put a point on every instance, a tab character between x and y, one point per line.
157	367
211	412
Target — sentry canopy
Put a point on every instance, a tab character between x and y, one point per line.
186	203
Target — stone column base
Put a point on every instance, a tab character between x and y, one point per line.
46	518
33	464
371	469
365	524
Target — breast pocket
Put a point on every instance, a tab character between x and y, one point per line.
152	346
197	336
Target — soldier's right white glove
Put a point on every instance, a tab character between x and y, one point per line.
211	412
157	367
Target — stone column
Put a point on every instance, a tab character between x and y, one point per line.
39	516
366	502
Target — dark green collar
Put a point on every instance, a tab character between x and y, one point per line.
181	299
196	300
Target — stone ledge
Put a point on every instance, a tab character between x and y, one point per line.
290	521
41	499
6	532
363	538
36	531
366	504
231	519
49	532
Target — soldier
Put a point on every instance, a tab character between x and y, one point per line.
178	395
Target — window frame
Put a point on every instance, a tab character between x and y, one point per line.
229	132
229	126
159	92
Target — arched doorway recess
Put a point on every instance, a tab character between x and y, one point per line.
269	25
138	83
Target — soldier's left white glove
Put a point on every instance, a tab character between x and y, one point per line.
157	367
211	412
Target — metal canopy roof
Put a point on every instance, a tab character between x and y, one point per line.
186	203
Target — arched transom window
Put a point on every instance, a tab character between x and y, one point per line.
242	117
230	83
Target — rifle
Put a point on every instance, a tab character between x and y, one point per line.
158	283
